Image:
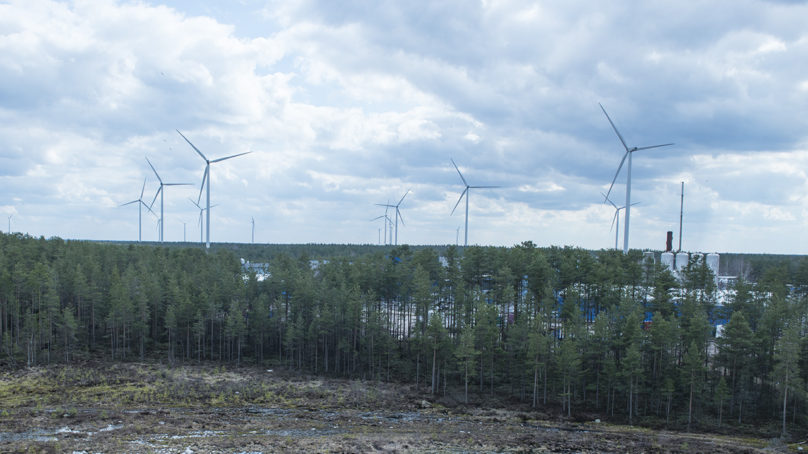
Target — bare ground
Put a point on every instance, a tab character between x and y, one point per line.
153	408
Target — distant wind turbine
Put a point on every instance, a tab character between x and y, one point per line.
615	218
201	210
466	194
386	219
206	177
161	192
9	223
140	206
398	212
629	152
252	220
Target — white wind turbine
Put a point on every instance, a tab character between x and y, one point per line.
615	218
629	152
206	177
140	206
161	192
466	194
201	210
398	212
386	219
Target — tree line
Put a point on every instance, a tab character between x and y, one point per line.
565	329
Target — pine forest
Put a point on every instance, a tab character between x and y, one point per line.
578	332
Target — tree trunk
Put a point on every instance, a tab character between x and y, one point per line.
785	399
434	369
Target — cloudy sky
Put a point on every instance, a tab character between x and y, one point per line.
348	104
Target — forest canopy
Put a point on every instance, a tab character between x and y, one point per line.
575	330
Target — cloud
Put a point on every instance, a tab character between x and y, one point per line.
351	104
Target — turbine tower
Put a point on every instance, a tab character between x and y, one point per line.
466	194
140	206
398	212
206	177
629	152
252	220
161	192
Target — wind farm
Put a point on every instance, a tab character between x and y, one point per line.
398	216
388	233
329	304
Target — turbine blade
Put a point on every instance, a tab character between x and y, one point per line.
385	205
402	198
458	200
606	198
230	157
204	178
178	184
635	203
653	146
484	187
192	145
147	207
614	218
400	216
129	203
153	170
143	188
155	196
458	172
377	217
614	127
615	174
195	204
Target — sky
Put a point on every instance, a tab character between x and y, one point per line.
345	105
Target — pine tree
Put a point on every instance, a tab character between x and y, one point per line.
467	356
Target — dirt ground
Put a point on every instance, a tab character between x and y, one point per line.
153	408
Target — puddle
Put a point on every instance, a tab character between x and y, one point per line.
298	433
30	435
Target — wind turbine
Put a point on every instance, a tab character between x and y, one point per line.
206	177
466	194
161	192
9	223
252	219
386	220
140	206
615	218
201	210
398	212
629	152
